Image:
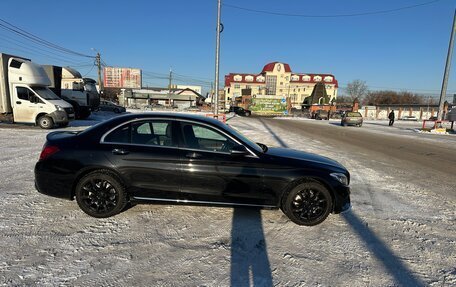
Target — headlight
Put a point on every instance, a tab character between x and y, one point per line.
59	108
342	178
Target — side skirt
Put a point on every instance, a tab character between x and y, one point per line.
201	202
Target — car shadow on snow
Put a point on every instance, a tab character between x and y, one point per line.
391	262
249	257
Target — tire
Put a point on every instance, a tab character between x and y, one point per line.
101	194
84	114
45	122
360	125
77	110
308	203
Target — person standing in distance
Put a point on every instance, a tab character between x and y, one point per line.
391	118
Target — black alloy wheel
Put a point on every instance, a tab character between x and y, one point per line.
100	194
308	203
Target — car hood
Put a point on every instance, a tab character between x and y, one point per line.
302	156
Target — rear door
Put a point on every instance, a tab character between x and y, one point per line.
146	154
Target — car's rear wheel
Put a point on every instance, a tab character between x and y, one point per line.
308	203
100	194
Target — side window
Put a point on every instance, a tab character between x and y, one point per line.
204	138
24	93
119	135
152	132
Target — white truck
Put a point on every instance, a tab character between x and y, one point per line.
68	84
25	96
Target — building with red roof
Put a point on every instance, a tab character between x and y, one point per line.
277	80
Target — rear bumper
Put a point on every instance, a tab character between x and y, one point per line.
51	183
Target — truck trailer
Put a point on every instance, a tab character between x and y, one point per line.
68	84
25	96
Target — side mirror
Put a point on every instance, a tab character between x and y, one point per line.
239	150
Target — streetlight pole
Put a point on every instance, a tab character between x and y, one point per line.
447	69
217	59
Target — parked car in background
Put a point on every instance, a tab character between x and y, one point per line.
153	107
451	116
192	109
321	115
433	118
352	119
409	118
111	107
171	157
240	111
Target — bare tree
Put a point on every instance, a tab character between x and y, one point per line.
356	89
393	97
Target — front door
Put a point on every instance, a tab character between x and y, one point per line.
25	104
211	173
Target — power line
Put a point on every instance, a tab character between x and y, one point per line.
14	29
34	50
91	69
330	15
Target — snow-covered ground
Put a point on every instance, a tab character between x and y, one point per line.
397	234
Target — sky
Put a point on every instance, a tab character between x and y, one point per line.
403	50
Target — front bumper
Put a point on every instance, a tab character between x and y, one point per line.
342	199
59	117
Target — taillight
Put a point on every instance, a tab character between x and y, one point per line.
48	151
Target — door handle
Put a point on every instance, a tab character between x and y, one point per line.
119	151
18	102
193	155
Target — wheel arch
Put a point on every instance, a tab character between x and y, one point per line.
311	178
39	115
91	169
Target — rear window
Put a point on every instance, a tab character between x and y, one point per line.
353	114
119	135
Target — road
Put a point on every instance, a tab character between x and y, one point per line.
428	162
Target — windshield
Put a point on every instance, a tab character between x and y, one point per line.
351	114
244	139
90	87
45	93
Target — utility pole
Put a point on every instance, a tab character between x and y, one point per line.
212	95
98	62
217	58
169	86
447	69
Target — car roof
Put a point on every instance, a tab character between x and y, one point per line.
182	116
108	124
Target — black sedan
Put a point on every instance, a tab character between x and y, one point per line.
111	107
159	157
240	111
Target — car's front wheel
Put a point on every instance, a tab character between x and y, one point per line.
308	203
45	122
100	194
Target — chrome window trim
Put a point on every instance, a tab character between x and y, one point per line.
183	148
201	202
